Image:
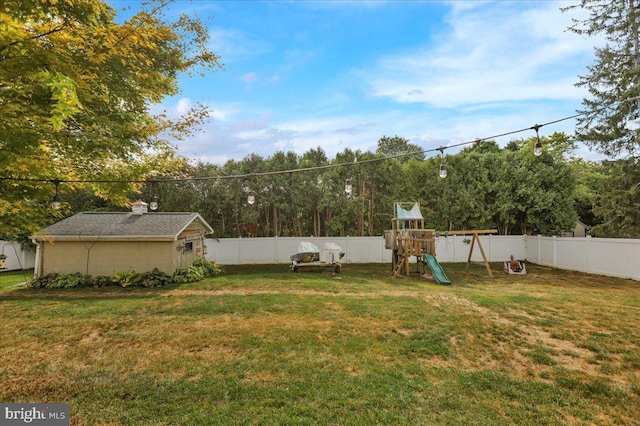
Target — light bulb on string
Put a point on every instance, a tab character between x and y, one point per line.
443	170
537	150
55	202
348	186
443	167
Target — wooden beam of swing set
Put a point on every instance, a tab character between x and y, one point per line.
476	233
470	232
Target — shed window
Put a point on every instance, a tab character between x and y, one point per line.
188	247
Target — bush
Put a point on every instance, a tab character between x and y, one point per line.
190	274
102	281
155	278
200	269
60	281
209	269
127	278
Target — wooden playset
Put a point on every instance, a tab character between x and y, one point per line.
408	238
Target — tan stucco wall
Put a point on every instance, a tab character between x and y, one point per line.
108	257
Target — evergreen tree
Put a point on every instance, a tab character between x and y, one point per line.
609	120
611	117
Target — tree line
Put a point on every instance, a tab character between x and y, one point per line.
486	187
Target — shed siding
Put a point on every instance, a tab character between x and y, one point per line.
107	257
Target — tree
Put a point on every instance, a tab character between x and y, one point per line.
618	202
608	121
589	182
75	92
400	148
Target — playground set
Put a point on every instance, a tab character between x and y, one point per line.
408	238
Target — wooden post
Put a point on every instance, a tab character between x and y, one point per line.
484	256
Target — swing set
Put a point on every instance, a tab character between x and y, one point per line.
408	238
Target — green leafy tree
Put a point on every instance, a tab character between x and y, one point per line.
75	91
589	182
618	201
400	148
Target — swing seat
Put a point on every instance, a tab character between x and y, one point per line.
509	270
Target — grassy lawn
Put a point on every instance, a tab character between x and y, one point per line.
262	345
11	278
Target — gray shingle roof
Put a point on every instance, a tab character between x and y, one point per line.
122	225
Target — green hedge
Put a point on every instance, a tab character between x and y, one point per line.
200	269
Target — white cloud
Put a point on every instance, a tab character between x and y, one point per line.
492	52
184	105
234	45
250	77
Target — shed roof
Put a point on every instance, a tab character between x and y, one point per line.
111	225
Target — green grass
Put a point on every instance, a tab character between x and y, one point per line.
11	278
262	345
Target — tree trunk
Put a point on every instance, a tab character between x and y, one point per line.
275	221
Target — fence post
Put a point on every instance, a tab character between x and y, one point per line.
554	252
346	250
588	240
275	241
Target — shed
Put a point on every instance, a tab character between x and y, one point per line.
580	230
104	243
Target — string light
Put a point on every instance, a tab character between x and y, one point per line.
348	186
314	168
55	202
443	167
153	205
537	150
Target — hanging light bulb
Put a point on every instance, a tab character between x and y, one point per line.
55	202
537	150
251	199
443	170
348	186
443	167
153	205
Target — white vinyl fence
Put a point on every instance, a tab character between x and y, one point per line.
240	251
16	257
605	256
615	257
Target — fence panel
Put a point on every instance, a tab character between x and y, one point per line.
17	258
616	257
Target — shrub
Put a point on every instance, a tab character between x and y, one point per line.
102	281
209	269
55	280
155	278
190	274
127	278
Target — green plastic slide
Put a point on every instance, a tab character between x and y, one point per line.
436	270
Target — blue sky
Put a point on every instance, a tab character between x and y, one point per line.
341	74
